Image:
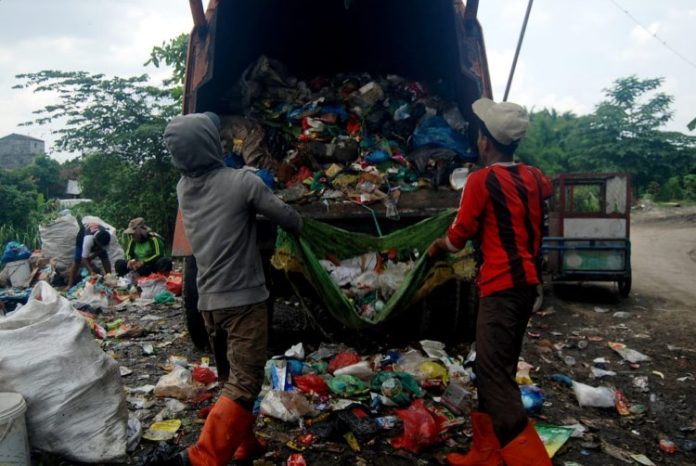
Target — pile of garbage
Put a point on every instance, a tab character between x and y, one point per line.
369	280
350	137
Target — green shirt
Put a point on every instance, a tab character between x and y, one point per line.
147	251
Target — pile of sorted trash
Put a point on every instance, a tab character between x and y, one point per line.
349	137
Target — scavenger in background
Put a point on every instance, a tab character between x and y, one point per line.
91	242
502	208
219	207
145	252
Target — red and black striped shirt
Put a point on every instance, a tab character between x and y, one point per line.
502	206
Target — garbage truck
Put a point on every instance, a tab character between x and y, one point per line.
435	42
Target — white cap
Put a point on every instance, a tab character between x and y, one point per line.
507	122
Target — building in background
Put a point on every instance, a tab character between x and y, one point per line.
17	150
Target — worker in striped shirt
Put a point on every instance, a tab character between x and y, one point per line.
502	209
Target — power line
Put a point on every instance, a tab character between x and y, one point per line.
653	34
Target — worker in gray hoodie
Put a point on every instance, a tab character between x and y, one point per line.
219	207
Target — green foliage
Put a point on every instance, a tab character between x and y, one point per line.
173	54
116	124
622	135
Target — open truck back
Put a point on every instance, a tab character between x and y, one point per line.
436	42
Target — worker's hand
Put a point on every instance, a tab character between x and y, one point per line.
437	248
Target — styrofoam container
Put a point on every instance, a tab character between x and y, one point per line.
18	272
14	442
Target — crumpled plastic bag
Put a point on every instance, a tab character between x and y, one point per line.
628	354
342	360
361	370
15	251
596	397
286	406
347	386
152	285
435	132
311	383
421	428
408	384
177	384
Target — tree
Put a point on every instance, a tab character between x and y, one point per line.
45	174
622	134
116	124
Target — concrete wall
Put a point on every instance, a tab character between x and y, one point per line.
17	151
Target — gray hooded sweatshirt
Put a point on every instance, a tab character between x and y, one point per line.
219	207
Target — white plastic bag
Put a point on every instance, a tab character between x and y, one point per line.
286	406
177	384
152	287
595	397
58	240
76	406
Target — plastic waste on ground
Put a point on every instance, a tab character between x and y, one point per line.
347	386
177	384
595	397
311	383
628	354
421	428
162	431
553	437
286	406
532	398
344	359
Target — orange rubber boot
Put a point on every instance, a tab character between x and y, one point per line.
250	448
526	449
485	450
227	425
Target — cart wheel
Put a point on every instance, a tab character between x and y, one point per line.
194	319
625	287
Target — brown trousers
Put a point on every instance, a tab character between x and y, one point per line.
239	338
500	328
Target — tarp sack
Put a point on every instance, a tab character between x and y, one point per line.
319	240
15	251
114	250
58	240
76	406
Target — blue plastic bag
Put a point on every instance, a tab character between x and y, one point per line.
266	176
532	398
15	251
435	132
377	157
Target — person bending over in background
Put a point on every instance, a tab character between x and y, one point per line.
91	242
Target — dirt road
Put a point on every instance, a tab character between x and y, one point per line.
664	256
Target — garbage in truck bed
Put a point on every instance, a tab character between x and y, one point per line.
349	137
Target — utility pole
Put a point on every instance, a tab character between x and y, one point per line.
517	51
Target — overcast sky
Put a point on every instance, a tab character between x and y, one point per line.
573	48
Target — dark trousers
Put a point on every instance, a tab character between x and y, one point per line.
500	328
239	338
160	265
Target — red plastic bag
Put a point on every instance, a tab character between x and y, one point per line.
175	283
204	375
296	459
311	384
343	360
421	428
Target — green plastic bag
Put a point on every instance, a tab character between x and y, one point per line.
409	387
347	386
164	297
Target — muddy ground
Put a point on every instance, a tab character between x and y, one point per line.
657	319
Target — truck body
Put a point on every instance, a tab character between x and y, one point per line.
430	41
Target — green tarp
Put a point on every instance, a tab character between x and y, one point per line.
320	240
